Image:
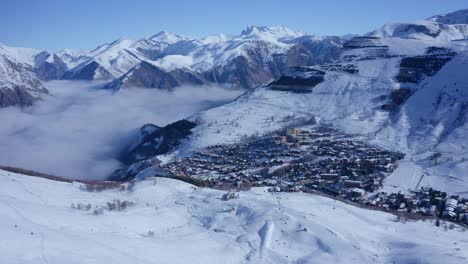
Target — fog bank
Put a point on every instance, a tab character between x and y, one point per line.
78	130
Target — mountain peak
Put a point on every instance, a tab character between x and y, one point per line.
276	32
168	37
457	17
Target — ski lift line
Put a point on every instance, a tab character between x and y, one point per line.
419	182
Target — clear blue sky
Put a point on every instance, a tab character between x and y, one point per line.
84	24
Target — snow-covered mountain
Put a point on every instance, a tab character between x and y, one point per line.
402	86
19	84
255	57
166	60
167	221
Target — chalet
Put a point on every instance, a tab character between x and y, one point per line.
352	184
357	192
450	206
329	176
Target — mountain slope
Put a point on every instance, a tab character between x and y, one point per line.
18	82
146	75
169	221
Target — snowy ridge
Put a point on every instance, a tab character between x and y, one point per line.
21	55
271	34
168	37
171	221
264	52
457	17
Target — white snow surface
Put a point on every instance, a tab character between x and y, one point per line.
423	30
174	222
22	55
168	37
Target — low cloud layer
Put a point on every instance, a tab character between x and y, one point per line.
78	130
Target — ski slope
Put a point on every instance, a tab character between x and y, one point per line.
173	222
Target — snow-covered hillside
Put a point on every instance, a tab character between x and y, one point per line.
426	30
19	84
166	221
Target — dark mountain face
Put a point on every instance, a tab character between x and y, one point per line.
310	52
146	75
46	70
152	141
300	83
89	71
16	96
188	77
152	50
414	69
243	73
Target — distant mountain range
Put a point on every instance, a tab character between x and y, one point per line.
257	56
166	60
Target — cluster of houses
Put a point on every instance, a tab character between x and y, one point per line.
319	160
426	202
292	160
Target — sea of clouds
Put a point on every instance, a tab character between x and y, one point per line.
78	131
